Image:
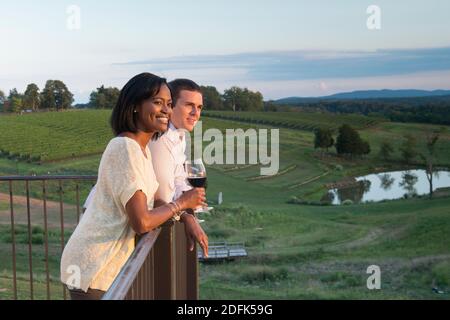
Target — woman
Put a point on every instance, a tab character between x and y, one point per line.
123	203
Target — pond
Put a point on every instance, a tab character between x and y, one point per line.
388	186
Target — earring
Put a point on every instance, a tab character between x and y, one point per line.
134	111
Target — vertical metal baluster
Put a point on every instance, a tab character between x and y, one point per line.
30	257
44	198
13	239
78	203
61	212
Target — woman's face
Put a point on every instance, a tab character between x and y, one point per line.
154	113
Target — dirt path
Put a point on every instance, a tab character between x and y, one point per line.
37	211
372	236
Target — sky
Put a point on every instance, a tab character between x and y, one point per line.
281	48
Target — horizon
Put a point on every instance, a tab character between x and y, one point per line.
287	49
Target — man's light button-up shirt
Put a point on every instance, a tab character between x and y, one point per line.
168	155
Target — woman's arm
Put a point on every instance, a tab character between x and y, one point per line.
194	231
143	220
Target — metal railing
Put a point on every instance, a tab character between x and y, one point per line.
42	215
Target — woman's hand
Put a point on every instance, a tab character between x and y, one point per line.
192	199
194	232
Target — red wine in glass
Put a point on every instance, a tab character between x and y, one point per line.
197	182
196	176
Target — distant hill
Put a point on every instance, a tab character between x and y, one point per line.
368	94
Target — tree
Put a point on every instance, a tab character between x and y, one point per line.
256	100
431	138
63	97
408	148
270	106
15	101
211	98
362	148
104	98
350	143
56	95
233	98
47	96
17	104
323	139
239	99
31	97
386	150
2	100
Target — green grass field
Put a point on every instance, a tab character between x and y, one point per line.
295	251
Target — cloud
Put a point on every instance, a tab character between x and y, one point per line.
323	86
308	65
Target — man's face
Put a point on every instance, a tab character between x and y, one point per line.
186	111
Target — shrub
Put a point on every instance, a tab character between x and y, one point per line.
264	274
441	273
37	230
347	202
295	200
37	239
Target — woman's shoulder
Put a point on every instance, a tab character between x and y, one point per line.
122	149
119	143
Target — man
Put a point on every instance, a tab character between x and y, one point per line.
168	154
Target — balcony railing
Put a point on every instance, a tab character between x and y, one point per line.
160	267
37	216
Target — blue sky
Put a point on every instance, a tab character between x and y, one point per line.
281	48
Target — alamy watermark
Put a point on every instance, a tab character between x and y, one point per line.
73	21
374	20
74	280
232	148
374	280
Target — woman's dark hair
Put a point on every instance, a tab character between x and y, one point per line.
139	88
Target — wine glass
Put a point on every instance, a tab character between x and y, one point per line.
196	176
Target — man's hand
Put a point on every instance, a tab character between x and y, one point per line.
194	232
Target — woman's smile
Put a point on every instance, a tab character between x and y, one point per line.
163	119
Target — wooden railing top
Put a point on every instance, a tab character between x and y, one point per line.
40	178
124	280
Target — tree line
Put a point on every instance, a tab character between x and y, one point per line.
234	98
435	110
56	96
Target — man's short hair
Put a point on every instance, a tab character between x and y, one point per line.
177	85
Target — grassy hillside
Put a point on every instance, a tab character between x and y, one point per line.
54	135
295	251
